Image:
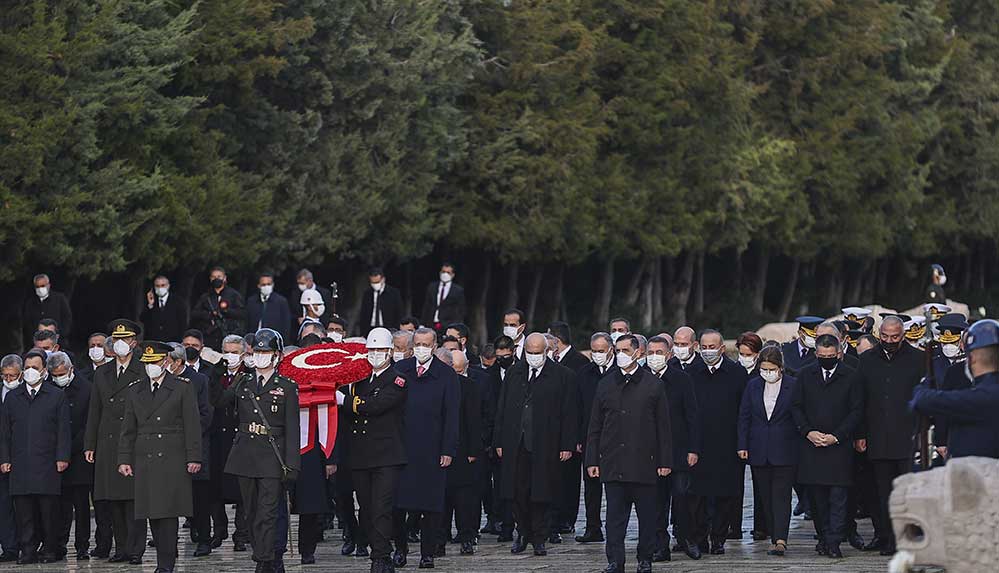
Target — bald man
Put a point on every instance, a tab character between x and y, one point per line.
685	350
536	429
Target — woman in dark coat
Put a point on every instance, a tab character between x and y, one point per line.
749	344
768	440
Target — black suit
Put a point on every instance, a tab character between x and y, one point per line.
794	361
568	506
685	424
450	310
78	479
389	306
55	306
587	382
275	313
166	322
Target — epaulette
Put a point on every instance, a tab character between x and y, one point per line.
183	379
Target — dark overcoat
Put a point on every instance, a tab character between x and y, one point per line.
80	472
834	407
684	416
719	471
34	435
222	433
887	383
462	472
107	410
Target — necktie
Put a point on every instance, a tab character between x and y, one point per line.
260	384
374	311
804	352
161	302
828	374
33	392
440	299
156	386
121	370
534	375
420	370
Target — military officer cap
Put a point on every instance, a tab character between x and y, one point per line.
915	328
954	319
853	337
154	351
902	317
856	313
936	309
124	328
267	339
808	324
981	334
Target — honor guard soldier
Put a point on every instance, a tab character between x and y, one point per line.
377	445
160	446
114	493
938	279
265	454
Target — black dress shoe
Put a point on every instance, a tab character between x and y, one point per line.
856	541
680	546
519	546
703	546
27	558
734	534
566	528
505	537
591	536
644	567
540	550
798	510
308	560
662	555
398	559
348	548
874	545
440	551
887	551
202	550
821	548
81	556
8	556
100	553
217	542
467	548
718	549
151	543
116	558
834	552
135	560
613	568
238	545
427	562
163	570
362	551
555	538
413	537
49	558
693	550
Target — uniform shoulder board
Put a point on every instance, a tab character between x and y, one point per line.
184	379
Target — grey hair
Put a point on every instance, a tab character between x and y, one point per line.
893	318
425	330
235	339
57	359
12	360
444	355
40	276
835	328
404	334
602	336
551	340
109	346
643	342
178	352
304	273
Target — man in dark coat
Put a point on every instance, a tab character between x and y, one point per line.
536	427
165	314
11	366
269	309
220	311
502	511
602	356
107	408
377	445
718	386
225	487
431	443
35	446
567	510
462	491
45	303
629	447
381	305
160	446
444	302
888	376
685	355
78	479
827	406
800	352
265	454
685	429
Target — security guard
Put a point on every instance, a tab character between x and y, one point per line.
160	445
974	427
265	453
377	445
114	493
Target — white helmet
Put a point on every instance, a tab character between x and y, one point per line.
311	296
379	338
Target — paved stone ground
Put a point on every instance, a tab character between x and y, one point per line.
746	556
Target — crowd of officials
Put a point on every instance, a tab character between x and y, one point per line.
442	444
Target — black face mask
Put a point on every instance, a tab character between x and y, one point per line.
192	354
504	361
828	363
217	283
891	347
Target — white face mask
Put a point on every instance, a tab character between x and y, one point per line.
336	336
377	358
248	360
42	292
96	354
657	362
808	342
511	331
446	277
682	353
423	353
943	280
624	360
769	376
535	360
599	358
231	360
303	287
11	385
154	371
950	350
711	356
398	356
64	380
747	362
616	335
161	291
121	348
378	287
262	360
31	376
319	309
266	290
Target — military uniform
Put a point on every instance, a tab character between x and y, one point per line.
160	435
377	455
107	410
252	458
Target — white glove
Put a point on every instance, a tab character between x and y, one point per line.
339	398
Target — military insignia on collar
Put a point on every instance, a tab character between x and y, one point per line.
400	381
277	391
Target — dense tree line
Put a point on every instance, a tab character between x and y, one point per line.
723	161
